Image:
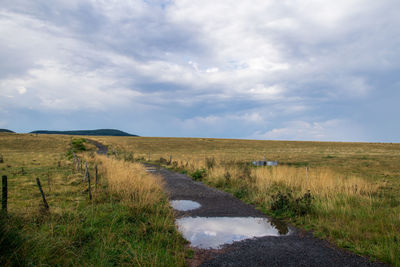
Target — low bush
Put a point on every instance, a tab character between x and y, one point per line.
284	203
78	145
199	174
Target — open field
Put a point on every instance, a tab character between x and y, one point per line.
134	226
371	160
350	193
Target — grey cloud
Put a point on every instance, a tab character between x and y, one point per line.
297	64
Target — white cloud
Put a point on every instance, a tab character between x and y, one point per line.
331	130
55	87
21	90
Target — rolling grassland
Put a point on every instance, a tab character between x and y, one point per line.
347	193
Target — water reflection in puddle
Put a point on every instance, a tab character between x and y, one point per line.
213	232
184	205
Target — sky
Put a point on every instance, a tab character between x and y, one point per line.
259	69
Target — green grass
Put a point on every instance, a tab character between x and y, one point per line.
103	234
76	231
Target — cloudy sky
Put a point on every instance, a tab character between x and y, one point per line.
259	69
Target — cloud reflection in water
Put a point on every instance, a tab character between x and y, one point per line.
213	232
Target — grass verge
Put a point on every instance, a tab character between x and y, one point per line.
128	221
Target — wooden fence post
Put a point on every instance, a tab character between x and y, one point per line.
4	196
89	188
170	160
41	192
95	178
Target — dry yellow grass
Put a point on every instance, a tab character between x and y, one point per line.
131	181
367	160
319	181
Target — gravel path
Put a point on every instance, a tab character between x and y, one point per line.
101	149
296	249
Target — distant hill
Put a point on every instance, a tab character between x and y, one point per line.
6	131
99	132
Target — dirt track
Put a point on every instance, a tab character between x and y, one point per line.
101	149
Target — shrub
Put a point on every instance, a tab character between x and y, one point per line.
78	145
286	203
280	202
199	174
303	204
241	192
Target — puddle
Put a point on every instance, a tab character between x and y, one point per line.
213	232
184	205
151	169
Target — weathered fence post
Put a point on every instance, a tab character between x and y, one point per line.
170	160
95	178
81	167
4	196
89	188
41	192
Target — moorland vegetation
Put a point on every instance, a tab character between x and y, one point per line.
347	193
